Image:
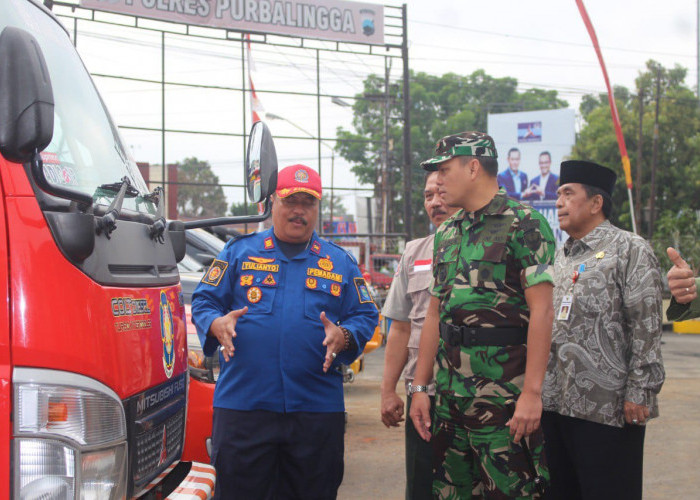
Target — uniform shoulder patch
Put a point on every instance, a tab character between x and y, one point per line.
362	291
215	272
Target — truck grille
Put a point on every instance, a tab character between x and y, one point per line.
150	453
156	430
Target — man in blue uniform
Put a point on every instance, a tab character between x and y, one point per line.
284	308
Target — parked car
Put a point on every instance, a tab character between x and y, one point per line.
203	246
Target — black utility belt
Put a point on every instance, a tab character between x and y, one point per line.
472	337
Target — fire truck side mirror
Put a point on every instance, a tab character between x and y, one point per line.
261	163
26	96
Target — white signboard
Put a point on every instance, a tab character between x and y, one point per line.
531	146
337	20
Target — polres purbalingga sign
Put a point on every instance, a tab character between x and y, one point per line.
336	20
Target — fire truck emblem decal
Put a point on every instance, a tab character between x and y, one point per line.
166	335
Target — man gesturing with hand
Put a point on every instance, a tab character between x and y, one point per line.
684	288
284	308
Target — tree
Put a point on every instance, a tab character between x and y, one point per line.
440	105
680	231
199	194
678	165
339	209
243	208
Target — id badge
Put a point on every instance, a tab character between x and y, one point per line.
565	308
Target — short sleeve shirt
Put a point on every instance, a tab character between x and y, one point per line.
483	262
409	296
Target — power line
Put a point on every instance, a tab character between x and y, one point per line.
546	40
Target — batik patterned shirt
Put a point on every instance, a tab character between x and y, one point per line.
608	350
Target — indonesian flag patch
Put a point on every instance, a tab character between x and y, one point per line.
422	265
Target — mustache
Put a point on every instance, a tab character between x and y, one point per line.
437	212
298	218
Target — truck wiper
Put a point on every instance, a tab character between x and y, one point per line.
157	229
108	222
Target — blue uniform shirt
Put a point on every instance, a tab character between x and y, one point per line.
278	360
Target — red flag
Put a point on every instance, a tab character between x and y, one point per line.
255	104
611	97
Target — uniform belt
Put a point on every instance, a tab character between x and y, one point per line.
471	337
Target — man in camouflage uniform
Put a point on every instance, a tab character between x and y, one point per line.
489	324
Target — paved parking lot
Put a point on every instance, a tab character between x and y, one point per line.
374	454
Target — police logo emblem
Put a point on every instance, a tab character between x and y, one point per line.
301	175
254	295
166	335
325	264
311	283
335	290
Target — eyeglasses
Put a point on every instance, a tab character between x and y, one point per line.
293	201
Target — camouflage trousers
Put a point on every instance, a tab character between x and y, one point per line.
474	454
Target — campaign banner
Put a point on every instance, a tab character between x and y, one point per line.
531	146
336	20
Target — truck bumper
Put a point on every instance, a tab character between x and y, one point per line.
198	484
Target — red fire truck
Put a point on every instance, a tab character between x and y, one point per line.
93	350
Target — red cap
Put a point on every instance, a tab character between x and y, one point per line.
298	179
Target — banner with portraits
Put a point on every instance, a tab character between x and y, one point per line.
531	146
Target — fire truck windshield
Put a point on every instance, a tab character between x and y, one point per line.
86	150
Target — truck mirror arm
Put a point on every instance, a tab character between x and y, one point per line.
83	200
242	219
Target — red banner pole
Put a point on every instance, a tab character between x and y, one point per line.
613	110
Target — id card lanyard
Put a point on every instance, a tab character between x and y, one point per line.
567	300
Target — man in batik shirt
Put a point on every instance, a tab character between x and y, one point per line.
605	368
491	311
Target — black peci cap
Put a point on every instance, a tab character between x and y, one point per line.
589	173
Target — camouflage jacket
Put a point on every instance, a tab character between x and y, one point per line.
484	261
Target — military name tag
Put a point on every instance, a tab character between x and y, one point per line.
565	308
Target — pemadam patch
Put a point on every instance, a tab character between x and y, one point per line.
167	335
254	295
362	291
215	272
301	175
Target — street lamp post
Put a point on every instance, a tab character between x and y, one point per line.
273	116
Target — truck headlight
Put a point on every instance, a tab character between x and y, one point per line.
70	437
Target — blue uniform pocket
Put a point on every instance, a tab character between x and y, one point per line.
257	290
323	295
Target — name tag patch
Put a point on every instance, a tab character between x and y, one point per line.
320	273
254	266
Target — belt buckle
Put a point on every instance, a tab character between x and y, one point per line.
468	337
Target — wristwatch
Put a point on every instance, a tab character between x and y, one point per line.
412	389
